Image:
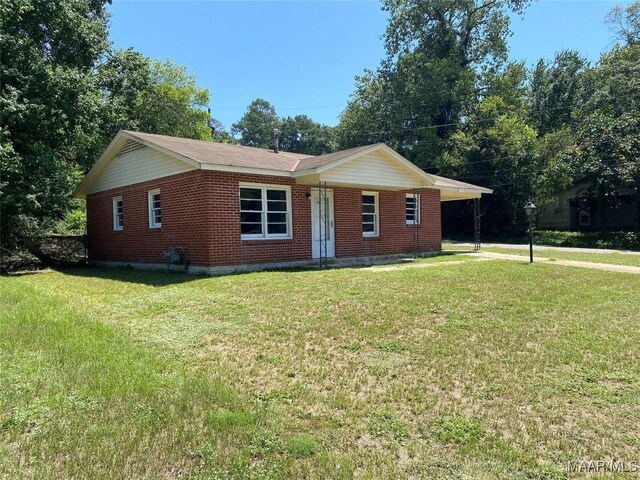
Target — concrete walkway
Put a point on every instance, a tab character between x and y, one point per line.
545	247
405	266
567	263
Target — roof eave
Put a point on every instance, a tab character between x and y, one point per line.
462	189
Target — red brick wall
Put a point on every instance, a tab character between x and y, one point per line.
395	236
227	246
182	221
201	209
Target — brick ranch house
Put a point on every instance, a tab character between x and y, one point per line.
214	208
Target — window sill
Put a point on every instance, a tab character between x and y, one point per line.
255	241
370	237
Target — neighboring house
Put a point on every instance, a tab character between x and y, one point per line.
577	209
219	207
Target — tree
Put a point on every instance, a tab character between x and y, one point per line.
556	90
140	94
121	78
496	149
49	106
64	95
256	126
173	104
626	21
218	133
607	155
429	79
607	149
300	134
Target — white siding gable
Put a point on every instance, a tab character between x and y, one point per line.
137	163
374	169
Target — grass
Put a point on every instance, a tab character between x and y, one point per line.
474	369
615	258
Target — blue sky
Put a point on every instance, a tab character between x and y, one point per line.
302	56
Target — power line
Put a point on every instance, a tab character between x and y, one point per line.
442	125
284	108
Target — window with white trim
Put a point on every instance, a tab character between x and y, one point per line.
370	214
118	217
265	211
155	209
412	208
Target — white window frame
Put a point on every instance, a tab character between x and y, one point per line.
376	218
416	211
265	235
150	194
118	226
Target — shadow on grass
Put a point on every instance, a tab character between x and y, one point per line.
123	274
159	278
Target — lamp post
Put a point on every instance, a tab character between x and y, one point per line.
530	208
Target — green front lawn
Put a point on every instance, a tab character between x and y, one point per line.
479	369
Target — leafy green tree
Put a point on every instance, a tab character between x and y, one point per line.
367	117
496	149
608	130
608	156
556	90
429	80
150	96
553	172
63	97
300	134
49	105
173	104
256	126
121	78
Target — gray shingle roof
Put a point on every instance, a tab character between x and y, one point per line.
213	153
223	154
240	156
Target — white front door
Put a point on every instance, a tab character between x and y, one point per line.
317	226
